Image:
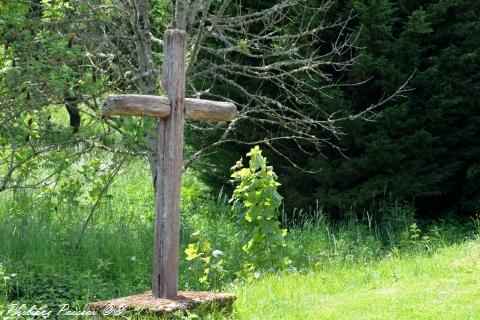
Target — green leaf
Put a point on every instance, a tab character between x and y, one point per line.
191	252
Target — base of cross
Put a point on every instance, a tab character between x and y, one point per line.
163	307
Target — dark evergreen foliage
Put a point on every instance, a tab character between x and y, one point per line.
423	148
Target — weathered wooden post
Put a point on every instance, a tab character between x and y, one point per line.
171	112
169	168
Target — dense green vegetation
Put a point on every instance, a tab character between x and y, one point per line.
423	146
420	147
375	216
43	263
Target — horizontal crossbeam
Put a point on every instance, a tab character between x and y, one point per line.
159	107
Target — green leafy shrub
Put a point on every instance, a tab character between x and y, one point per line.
205	262
255	202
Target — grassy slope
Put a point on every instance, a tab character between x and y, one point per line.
445	285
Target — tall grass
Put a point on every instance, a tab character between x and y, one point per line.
45	258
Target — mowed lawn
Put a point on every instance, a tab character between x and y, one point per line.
444	285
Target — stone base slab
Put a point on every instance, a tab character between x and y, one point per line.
147	303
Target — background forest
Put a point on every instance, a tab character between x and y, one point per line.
368	111
421	148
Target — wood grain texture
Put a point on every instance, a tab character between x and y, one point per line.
159	107
199	109
136	105
169	169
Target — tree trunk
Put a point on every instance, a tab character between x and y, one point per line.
146	67
71	104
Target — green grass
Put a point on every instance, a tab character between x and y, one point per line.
445	285
353	270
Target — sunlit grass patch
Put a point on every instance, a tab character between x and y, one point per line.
421	287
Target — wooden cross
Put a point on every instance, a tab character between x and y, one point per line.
171	112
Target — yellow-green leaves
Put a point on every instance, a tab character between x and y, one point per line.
204	261
255	201
54	9
257	161
191	252
242	46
